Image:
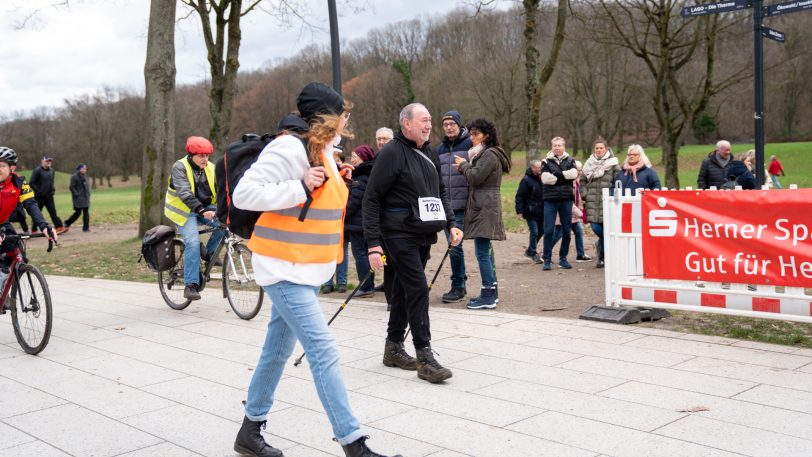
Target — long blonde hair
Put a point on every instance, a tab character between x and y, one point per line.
323	129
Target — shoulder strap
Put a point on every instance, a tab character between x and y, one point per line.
424	156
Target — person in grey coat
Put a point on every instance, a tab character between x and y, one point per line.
598	174
713	170
80	194
486	163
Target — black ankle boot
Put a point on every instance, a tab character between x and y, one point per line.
358	448
250	441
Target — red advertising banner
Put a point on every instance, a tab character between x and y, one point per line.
739	236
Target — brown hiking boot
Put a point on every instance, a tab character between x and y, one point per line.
395	355
428	368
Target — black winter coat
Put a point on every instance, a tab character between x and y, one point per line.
744	177
399	178
455	183
42	181
564	171
529	201
79	190
353	219
711	173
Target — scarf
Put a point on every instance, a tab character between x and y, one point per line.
632	168
596	167
475	151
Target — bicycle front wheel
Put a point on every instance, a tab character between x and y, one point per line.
171	283
31	310
243	293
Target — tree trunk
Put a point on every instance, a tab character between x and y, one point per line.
537	81
671	161
159	80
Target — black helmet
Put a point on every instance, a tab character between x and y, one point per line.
8	155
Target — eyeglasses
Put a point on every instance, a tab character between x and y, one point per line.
346	115
447	125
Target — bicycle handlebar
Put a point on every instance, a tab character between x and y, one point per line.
25	236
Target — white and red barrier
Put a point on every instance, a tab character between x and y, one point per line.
745	253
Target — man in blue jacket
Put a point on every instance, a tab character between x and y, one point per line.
530	207
456	142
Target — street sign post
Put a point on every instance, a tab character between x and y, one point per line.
773	34
759	31
715	8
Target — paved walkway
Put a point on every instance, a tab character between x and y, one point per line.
126	375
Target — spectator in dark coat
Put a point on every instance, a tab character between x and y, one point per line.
456	143
739	172
712	170
557	175
80	194
362	159
637	172
42	182
530	207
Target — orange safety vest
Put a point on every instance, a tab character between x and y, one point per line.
317	239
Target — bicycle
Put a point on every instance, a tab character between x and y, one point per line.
243	294
27	297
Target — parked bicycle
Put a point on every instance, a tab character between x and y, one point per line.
27	297
239	288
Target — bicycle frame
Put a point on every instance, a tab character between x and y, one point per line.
229	240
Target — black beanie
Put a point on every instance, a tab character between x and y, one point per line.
292	123
318	98
454	116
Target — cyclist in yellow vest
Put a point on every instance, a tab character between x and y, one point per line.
296	244
190	200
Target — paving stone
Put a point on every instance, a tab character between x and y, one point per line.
780	397
604	438
668	377
736	438
13	437
735	411
153	332
34	448
18	398
614	336
609	351
213	398
162	450
624	413
519	352
125	370
66	427
750	373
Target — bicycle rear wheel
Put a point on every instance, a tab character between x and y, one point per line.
171	283
31	310
242	292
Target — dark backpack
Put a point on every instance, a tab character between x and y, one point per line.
156	248
228	171
730	184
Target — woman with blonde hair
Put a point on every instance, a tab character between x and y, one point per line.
296	244
637	172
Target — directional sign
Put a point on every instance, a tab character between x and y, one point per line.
719	7
786	7
772	34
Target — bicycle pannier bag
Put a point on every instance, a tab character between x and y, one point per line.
156	248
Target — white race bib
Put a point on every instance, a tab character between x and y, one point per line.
431	209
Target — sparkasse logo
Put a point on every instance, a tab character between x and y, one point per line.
662	222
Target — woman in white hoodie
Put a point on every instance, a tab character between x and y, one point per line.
296	244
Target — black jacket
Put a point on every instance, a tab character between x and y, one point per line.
744	177
711	172
399	178
455	183
42	181
557	177
353	219
529	201
79	190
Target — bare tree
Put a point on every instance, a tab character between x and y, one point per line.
537	79
159	79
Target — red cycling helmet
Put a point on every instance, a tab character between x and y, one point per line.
198	145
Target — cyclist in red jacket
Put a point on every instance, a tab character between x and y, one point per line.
15	191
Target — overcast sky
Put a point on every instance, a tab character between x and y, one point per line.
64	52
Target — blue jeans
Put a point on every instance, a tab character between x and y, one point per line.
776	184
533	225
483	249
341	268
296	315
578	230
359	251
457	254
563	209
597	229
191	245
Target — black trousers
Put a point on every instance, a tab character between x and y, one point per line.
85	218
407	290
48	202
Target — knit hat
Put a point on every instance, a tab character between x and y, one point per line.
454	116
318	98
292	123
80	166
198	145
364	152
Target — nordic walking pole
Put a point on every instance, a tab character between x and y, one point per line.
343	305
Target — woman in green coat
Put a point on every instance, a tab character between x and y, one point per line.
598	174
